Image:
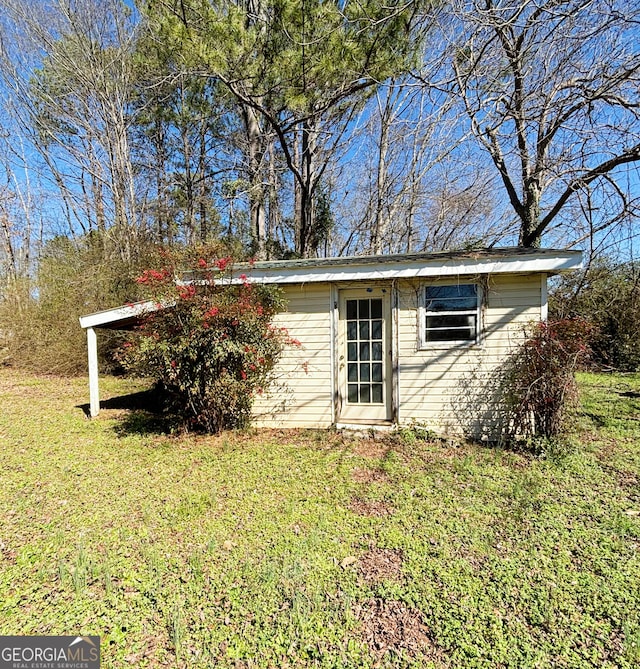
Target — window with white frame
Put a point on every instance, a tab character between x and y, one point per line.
450	315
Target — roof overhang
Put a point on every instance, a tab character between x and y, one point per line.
417	265
362	268
124	317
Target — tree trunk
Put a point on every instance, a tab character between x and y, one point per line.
297	192
256	189
305	246
274	208
202	185
530	218
381	223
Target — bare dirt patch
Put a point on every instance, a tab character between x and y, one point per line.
365	507
379	564
371	448
629	481
390	626
361	475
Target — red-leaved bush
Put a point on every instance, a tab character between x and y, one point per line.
538	380
211	344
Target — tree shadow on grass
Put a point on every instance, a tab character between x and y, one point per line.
146	422
143	412
597	420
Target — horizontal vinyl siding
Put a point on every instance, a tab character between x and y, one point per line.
455	389
447	389
301	393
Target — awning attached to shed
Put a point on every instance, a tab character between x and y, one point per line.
121	318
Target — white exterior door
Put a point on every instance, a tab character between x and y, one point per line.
364	355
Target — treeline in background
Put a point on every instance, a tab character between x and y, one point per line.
302	128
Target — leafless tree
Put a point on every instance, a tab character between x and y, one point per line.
551	89
69	70
418	189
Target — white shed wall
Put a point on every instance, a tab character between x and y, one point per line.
453	389
448	390
301	395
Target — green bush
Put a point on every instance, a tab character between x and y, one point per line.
607	295
538	379
212	346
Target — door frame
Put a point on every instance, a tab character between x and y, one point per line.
339	294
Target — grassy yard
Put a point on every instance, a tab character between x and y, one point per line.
314	549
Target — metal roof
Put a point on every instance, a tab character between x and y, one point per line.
407	265
355	268
425	257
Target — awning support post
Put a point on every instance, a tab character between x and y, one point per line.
94	391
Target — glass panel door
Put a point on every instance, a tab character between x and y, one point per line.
364	354
364	351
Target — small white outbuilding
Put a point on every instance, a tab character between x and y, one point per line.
390	340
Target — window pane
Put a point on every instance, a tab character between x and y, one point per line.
364	352
376	393
352	351
376	371
462	334
463	304
376	350
376	308
364	308
451	328
352	393
365	393
376	330
364	329
352	330
364	371
352	309
353	372
451	298
458	290
450	321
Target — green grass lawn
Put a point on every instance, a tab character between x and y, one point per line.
314	549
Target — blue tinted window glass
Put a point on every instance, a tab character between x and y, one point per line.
451	298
